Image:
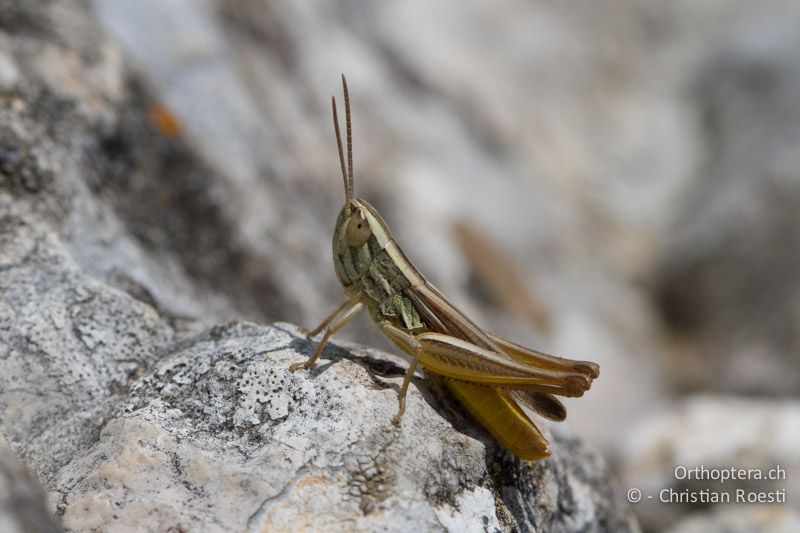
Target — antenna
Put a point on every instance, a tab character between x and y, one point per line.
348	191
349	135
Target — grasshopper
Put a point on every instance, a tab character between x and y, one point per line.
492	377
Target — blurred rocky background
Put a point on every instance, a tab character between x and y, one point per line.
613	180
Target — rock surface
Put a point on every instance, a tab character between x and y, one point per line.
70	344
220	436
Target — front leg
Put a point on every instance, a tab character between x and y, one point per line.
327	320
333	325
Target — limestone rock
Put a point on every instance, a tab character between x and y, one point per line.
220	436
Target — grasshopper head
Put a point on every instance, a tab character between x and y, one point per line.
359	231
357	222
356	225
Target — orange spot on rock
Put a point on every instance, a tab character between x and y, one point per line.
166	123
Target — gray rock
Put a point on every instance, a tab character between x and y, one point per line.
69	344
220	436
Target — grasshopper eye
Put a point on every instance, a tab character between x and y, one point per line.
358	230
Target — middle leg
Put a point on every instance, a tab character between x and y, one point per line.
409	344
